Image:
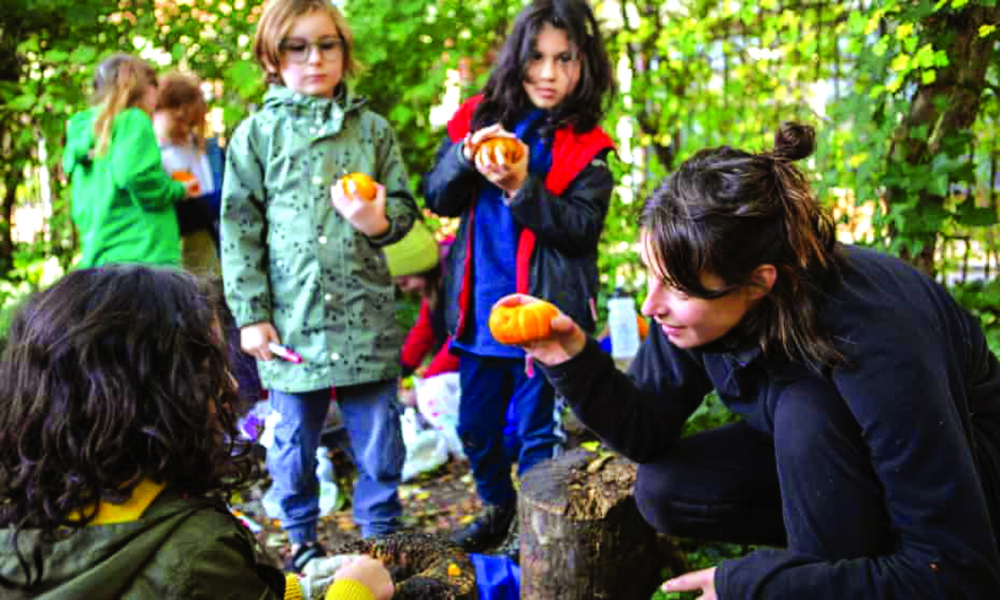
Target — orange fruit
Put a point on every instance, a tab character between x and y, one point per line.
364	183
643	325
511	148
522	323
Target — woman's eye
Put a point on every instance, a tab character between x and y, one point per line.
296	47
327	45
566	58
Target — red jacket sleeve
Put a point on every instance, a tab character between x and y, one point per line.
443	362
419	340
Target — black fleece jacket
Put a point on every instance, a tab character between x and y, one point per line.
925	390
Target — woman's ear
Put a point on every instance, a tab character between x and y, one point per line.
762	280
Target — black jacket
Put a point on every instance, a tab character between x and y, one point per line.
925	390
563	267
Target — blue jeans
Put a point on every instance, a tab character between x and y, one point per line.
489	386
371	416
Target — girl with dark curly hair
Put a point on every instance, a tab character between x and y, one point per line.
868	454
119	447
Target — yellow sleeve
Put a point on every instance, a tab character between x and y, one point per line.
292	589
348	589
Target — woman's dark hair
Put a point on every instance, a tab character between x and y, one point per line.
726	212
113	376
504	99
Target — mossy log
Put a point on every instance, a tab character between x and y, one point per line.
581	535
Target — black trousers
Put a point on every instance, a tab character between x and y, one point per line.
810	486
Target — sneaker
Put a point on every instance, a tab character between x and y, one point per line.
488	530
303	555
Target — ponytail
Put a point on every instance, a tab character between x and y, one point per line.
119	82
726	212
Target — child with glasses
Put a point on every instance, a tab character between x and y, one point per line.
303	266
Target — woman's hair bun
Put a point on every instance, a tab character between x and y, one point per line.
794	141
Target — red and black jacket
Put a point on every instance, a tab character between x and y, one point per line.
561	215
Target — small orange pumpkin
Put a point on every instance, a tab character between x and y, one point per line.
511	148
522	323
364	183
643	325
185	177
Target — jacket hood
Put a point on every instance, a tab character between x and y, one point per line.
329	110
96	561
80	140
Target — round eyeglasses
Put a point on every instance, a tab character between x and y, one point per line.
297	50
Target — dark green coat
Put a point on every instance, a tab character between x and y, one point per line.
288	257
180	548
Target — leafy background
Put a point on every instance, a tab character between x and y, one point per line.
904	95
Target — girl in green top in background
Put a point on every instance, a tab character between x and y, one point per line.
122	199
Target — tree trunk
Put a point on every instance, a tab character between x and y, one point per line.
946	107
581	535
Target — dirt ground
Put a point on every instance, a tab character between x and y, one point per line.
435	502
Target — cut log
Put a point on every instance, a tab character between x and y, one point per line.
581	535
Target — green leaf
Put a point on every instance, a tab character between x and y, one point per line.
928	76
22	103
977	216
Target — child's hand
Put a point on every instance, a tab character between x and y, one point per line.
255	338
508	176
371	573
567	339
367	216
472	141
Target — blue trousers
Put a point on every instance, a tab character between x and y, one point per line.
489	386
371	416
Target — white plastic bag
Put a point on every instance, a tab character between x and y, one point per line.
426	449
437	401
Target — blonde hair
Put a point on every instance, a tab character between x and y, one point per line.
180	96
276	21
119	82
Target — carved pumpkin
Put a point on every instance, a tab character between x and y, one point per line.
523	323
511	148
365	184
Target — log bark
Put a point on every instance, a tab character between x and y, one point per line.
581	535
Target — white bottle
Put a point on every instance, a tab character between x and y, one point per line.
623	327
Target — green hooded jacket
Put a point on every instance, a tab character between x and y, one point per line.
123	200
289	258
183	549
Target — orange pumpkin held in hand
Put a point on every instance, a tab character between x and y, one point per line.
643	326
511	148
364	183
185	177
523	323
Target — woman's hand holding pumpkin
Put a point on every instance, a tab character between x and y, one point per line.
546	334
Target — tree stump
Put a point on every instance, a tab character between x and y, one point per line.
581	534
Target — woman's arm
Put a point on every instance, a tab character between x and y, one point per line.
640	414
573	220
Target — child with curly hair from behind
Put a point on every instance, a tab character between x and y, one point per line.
119	450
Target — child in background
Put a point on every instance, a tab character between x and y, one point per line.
529	225
119	378
303	265
122	199
180	126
